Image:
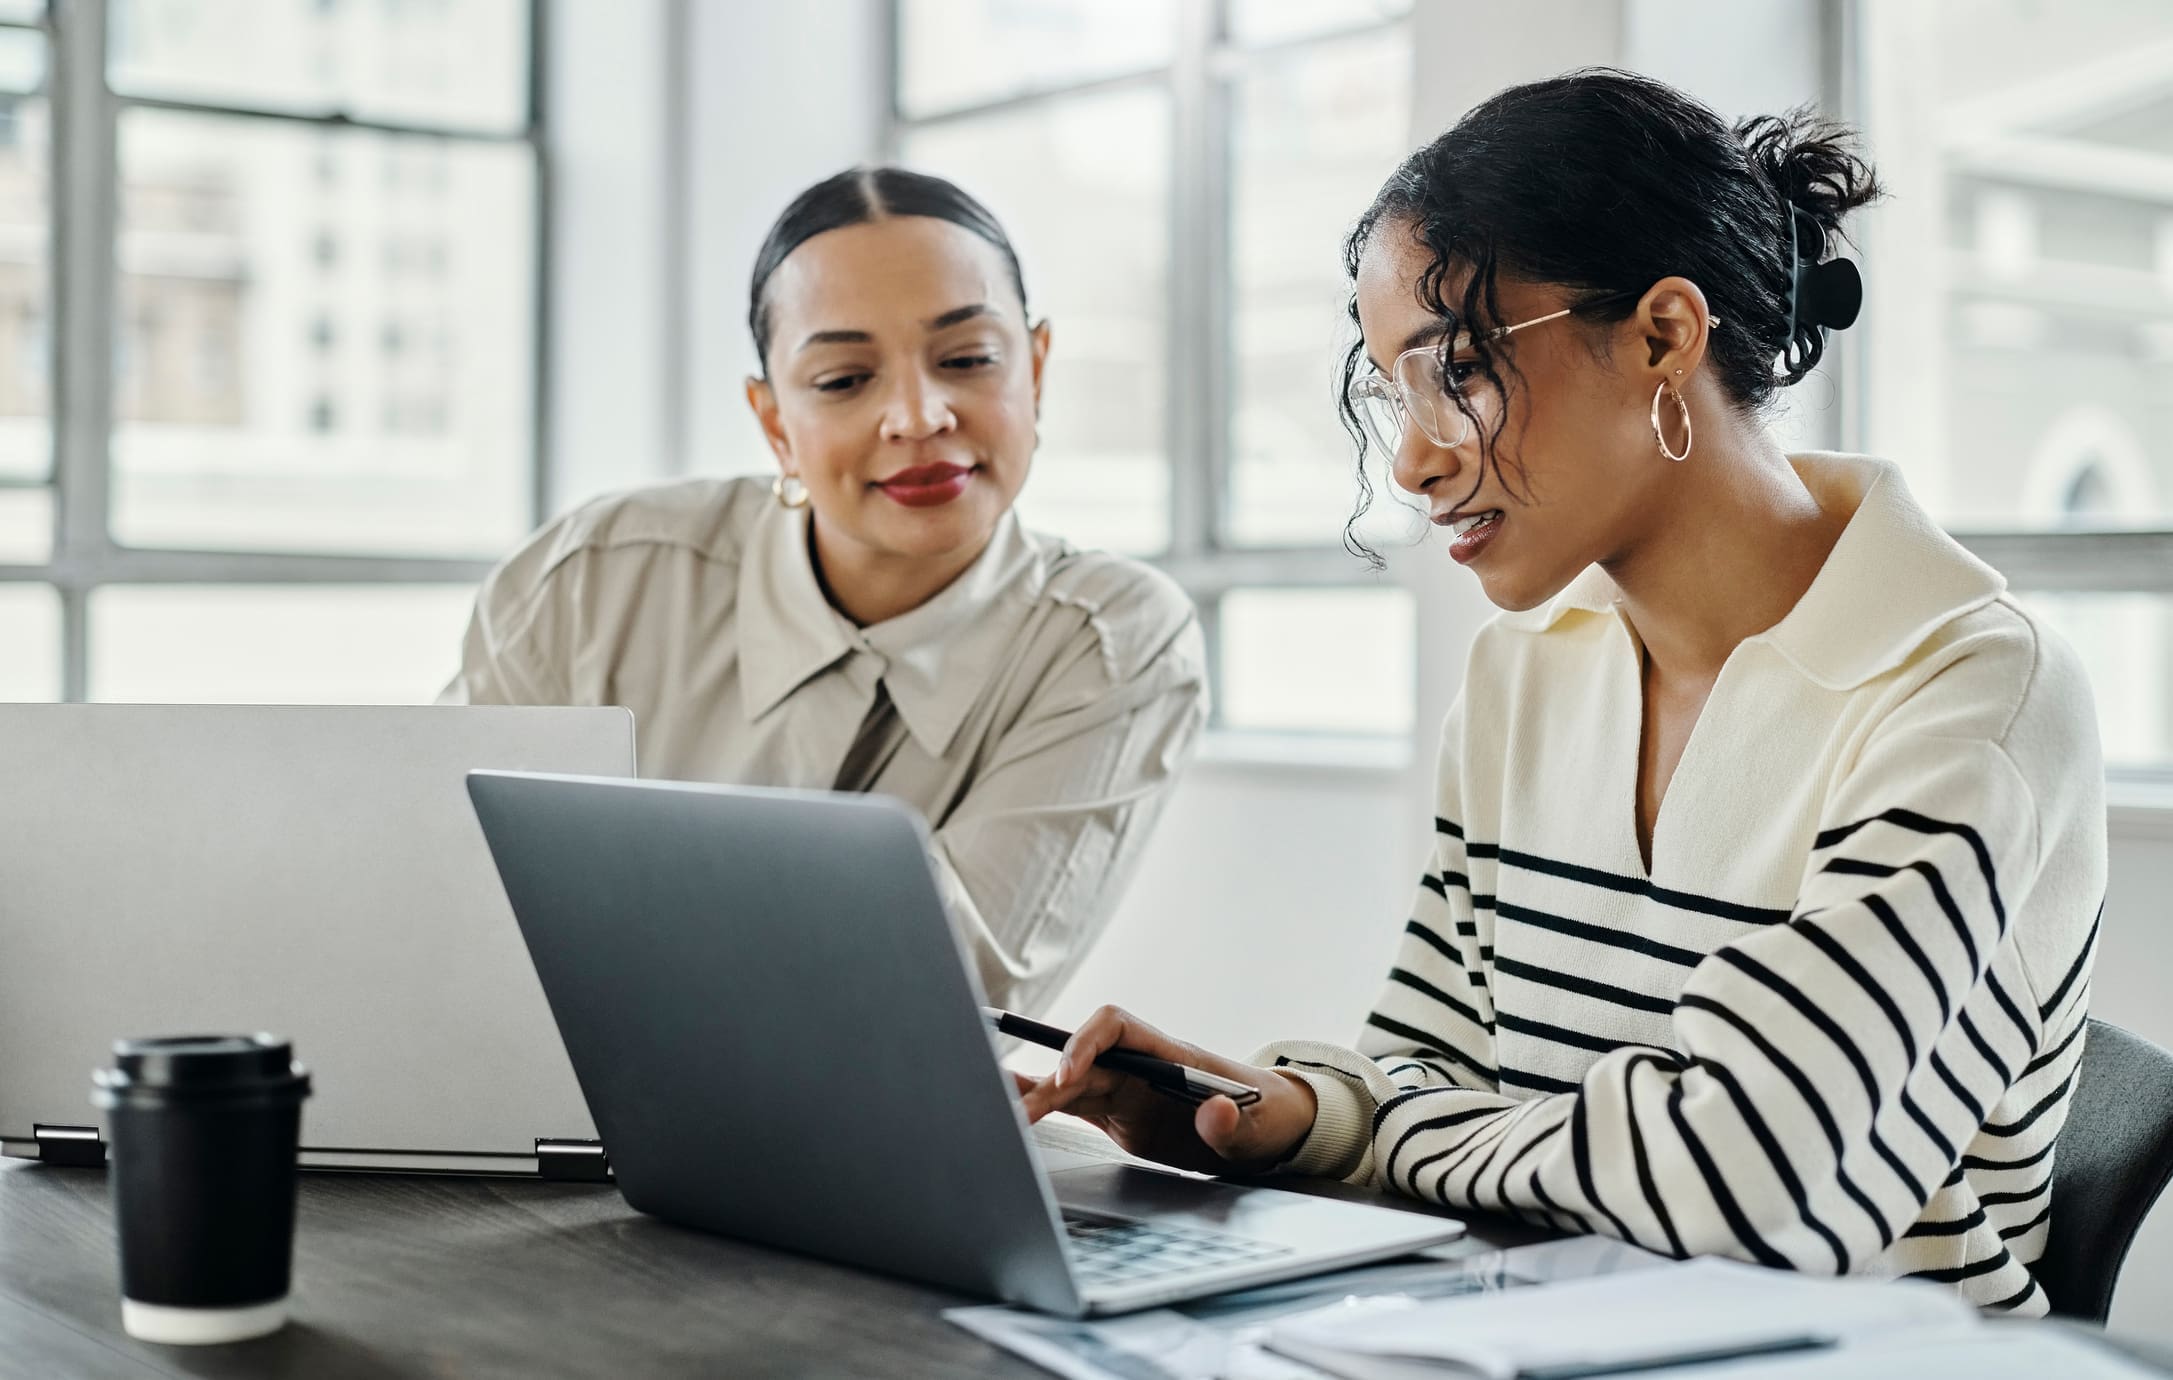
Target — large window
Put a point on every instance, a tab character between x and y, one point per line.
2020	326
1178	176
268	341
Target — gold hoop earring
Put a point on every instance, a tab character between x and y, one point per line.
1681	407
789	491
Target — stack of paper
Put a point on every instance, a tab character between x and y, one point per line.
1867	1330
1701	1312
1221	1336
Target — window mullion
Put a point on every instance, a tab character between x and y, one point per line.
1196	206
84	218
1209	606
75	653
2138	562
1216	343
543	474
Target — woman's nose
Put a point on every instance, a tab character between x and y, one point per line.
918	407
1419	463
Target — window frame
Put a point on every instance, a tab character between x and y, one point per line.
2109	562
2120	561
1205	66
82	264
1199	79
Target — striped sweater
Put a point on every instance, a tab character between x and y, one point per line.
1835	1027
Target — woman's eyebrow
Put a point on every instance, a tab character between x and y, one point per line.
1431	331
835	338
956	315
934	323
1424	335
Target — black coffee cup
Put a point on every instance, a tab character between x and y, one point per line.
204	1131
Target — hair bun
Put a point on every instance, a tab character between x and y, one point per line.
1818	178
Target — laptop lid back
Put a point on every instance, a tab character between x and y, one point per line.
315	872
776	1028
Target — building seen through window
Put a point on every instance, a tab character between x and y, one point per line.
1179	195
322	341
2029	246
241	236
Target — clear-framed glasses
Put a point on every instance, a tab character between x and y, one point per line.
1413	387
1416	387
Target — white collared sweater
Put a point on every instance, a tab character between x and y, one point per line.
1835	1027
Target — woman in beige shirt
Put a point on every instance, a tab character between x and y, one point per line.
875	617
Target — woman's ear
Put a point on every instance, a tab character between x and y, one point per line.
1038	341
1674	323
762	401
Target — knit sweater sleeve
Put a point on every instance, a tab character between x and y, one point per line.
1433	1026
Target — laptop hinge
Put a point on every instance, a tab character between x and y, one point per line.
578	1161
77	1146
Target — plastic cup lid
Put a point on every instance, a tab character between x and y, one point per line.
185	1063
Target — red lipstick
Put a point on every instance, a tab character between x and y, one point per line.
927	486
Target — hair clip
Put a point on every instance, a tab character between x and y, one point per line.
1830	294
1826	295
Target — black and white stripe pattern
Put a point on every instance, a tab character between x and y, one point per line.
1864	1082
1829	1016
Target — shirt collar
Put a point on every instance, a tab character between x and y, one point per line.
1890	582
935	659
1591	592
940	656
1893	579
788	633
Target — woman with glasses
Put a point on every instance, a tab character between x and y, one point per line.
1770	834
875	617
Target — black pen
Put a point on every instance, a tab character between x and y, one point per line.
1185	1084
1772	1346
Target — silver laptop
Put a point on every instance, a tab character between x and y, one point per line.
315	872
782	1041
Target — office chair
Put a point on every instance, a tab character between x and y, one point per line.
2115	1156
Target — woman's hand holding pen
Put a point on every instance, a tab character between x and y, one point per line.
1216	1137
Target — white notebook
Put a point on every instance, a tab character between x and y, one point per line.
1704	1310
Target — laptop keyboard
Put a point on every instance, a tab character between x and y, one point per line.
1111	1250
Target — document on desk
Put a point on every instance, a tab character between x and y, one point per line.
1706	1312
2017	1350
1222	1336
1906	1332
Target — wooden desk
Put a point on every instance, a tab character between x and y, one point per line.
411	1276
414	1276
486	1278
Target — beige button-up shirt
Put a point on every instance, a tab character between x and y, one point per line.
1036	712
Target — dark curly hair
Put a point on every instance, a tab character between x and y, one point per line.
1606	182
